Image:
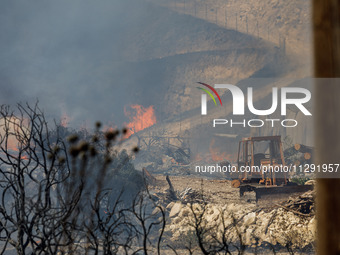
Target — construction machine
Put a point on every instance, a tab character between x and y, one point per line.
261	169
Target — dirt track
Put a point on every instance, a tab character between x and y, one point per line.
216	191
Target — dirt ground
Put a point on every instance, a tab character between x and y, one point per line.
220	192
216	191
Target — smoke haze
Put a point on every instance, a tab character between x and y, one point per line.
68	55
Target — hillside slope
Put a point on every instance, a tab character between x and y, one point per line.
170	52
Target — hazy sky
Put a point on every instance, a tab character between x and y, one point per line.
67	54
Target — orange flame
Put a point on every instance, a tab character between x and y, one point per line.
216	155
110	126
202	157
16	128
140	118
198	157
65	120
24	157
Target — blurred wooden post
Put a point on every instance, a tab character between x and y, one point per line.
236	21
226	17
326	26
268	32
195	8
216	16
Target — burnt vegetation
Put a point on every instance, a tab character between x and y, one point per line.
64	193
75	192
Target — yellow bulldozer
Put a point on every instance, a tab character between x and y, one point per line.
262	169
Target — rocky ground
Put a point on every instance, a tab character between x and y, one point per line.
283	226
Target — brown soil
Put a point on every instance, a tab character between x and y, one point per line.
216	191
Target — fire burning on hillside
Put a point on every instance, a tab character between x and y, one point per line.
65	120
217	155
140	118
11	130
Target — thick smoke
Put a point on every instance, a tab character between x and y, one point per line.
70	56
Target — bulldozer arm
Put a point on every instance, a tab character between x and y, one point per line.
274	192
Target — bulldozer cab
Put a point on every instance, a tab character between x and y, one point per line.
258	154
255	156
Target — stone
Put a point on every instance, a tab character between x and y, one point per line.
156	211
249	219
176	208
310	182
170	205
